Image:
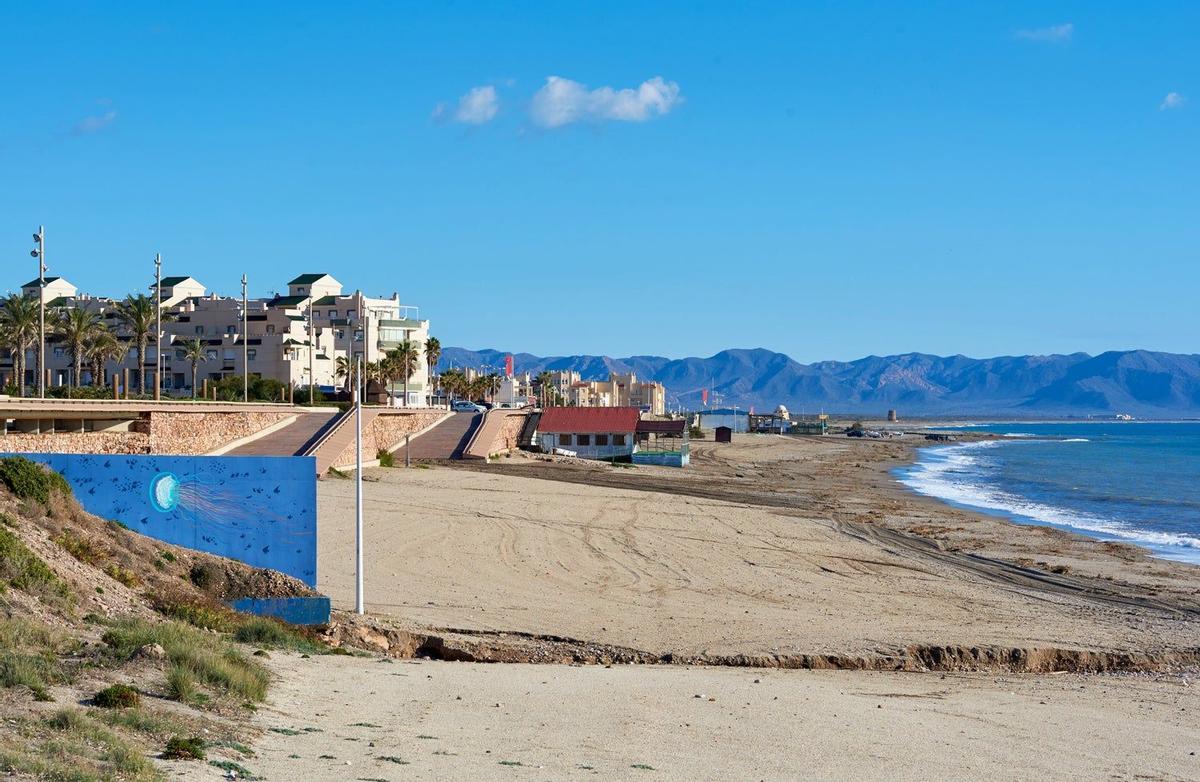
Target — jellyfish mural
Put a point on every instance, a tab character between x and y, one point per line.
261	510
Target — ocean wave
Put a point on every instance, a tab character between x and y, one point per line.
1075	440
951	474
1019	434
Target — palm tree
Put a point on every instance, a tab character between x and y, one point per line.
19	332
102	346
195	351
543	379
452	382
137	315
433	354
346	367
76	326
404	359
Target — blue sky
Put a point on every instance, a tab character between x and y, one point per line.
825	179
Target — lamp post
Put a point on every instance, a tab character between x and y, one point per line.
312	351
39	252
245	346
157	328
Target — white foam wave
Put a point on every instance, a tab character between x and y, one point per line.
950	474
1019	434
1075	440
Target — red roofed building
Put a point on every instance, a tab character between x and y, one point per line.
589	432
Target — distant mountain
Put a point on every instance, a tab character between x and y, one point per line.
1138	382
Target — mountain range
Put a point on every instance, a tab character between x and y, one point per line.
1136	382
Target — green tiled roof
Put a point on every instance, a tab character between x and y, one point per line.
324	300
287	301
170	282
35	283
307	279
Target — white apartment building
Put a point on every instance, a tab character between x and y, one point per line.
295	338
618	391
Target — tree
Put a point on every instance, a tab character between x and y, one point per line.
346	367
195	351
102	347
137	315
19	332
76	326
543	380
453	382
433	354
403	360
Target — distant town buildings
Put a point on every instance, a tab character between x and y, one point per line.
311	335
618	391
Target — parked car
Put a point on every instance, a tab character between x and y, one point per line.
466	406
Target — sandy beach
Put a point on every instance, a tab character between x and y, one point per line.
349	718
772	548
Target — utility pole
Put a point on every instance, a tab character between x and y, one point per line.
39	252
358	495
157	328
245	346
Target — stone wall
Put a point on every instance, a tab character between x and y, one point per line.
199	433
386	432
81	442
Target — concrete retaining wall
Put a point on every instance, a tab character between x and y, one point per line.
386	432
499	433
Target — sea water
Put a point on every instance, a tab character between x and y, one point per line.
1135	482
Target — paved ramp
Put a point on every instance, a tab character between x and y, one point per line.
292	439
446	440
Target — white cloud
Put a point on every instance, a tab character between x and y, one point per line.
562	102
1059	33
479	105
93	124
1173	101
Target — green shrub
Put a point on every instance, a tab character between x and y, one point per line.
117	696
82	738
208	659
179	748
122	575
28	480
196	614
272	633
208	576
141	720
386	458
23	570
29	670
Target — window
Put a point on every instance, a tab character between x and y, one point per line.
229	354
601	439
583	439
270	328
58	353
200	331
333	313
251	354
618	439
180	354
211	354
564	439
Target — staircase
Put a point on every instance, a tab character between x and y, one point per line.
447	439
292	439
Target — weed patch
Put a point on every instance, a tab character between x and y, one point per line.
81	548
180	748
21	569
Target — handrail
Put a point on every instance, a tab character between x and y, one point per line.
330	428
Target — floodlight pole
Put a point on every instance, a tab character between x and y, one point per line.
245	346
158	362
358	494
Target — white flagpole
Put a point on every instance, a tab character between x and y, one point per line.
358	499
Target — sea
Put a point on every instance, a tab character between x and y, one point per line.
1130	481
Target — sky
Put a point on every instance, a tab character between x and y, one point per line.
829	180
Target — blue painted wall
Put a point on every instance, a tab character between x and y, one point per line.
261	510
294	610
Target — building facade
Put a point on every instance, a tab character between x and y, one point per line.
308	336
618	391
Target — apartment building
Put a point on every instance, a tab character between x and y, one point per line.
618	391
295	338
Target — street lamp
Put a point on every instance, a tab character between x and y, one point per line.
157	328
245	346
39	252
